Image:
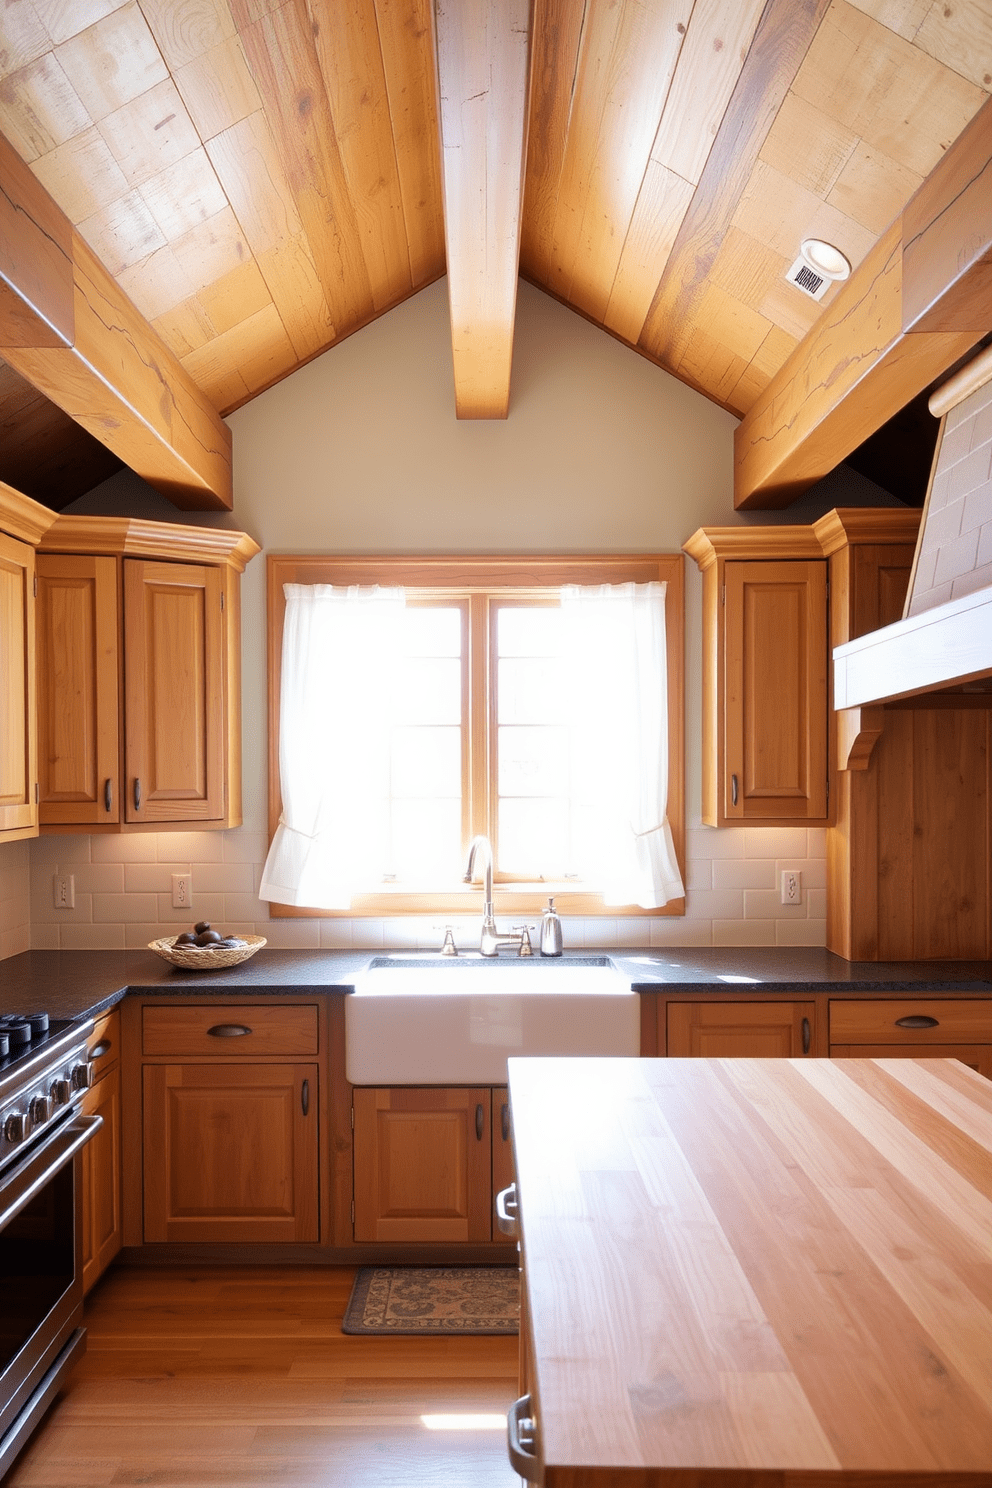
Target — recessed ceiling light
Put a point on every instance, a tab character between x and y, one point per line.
823	258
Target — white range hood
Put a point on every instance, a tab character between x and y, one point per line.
945	637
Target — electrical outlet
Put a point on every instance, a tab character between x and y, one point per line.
792	886
182	891
64	885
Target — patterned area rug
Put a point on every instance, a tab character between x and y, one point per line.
434	1299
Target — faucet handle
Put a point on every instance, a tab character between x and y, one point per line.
525	948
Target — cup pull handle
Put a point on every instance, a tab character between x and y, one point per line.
918	1020
521	1440
506	1211
228	1030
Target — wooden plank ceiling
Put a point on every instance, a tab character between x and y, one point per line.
263	178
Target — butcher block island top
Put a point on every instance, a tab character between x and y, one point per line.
756	1272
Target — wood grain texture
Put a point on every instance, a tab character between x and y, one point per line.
18	727
780	42
947	239
483	71
241	1375
111	373
764	1271
272	1029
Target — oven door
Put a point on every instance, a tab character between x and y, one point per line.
41	1288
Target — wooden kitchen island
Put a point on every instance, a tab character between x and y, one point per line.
756	1272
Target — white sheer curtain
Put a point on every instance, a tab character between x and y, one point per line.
616	672
341	648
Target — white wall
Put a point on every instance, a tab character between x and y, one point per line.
361	451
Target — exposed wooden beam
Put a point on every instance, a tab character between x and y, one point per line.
859	365
947	239
69	330
781	41
483	50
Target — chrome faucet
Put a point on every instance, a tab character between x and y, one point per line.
491	939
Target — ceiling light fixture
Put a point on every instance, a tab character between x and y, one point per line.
823	258
818	266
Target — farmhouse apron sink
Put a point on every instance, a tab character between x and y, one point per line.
435	1021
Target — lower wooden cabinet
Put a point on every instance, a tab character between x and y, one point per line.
753	1030
101	1157
914	1028
428	1162
230	1152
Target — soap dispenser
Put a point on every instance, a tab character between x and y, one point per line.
550	931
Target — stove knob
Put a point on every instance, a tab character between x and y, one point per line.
60	1093
16	1127
82	1075
40	1109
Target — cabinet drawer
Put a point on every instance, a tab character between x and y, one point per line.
239	1031
104	1045
914	1020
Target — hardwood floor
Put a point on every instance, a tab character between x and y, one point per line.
238	1376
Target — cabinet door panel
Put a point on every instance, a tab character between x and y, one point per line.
78	702
18	758
230	1152
101	1178
776	691
423	1164
752	1030
174	692
504	1171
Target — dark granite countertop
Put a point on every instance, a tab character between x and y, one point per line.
72	984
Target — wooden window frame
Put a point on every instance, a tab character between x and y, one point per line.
485	575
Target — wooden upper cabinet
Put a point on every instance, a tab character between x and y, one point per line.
765	662
174	692
78	710
18	768
22	524
139	643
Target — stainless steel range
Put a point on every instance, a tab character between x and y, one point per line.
44	1073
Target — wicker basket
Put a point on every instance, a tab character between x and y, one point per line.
206	958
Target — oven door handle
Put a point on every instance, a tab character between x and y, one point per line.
22	1182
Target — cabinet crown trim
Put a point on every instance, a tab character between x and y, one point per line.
138	538
22	517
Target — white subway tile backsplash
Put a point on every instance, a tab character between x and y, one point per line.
242	846
970	583
681	932
98	878
151	878
224	878
714	842
743	932
204	907
293	935
91	938
766	904
123	908
800	932
775	842
139	847
190	847
335	935
44	937
744	873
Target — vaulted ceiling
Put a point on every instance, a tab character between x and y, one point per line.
263	178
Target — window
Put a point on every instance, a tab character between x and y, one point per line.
475	739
